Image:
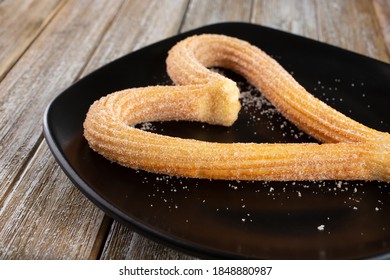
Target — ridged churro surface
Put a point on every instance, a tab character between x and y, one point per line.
350	151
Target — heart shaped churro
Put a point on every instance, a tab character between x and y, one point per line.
351	151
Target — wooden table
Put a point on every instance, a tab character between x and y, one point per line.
45	46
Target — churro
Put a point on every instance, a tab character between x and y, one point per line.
351	151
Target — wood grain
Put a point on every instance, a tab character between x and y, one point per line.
204	12
296	16
353	26
15	34
38	203
382	10
147	24
42	217
122	243
349	24
49	66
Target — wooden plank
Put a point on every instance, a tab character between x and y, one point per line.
295	16
353	26
204	12
49	66
139	23
122	243
16	34
46	217
36	199
348	24
382	10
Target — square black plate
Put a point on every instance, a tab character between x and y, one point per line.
230	219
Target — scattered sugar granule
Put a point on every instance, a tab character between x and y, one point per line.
147	126
321	227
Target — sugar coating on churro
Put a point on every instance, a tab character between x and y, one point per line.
353	151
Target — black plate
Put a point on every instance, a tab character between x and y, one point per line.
230	219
